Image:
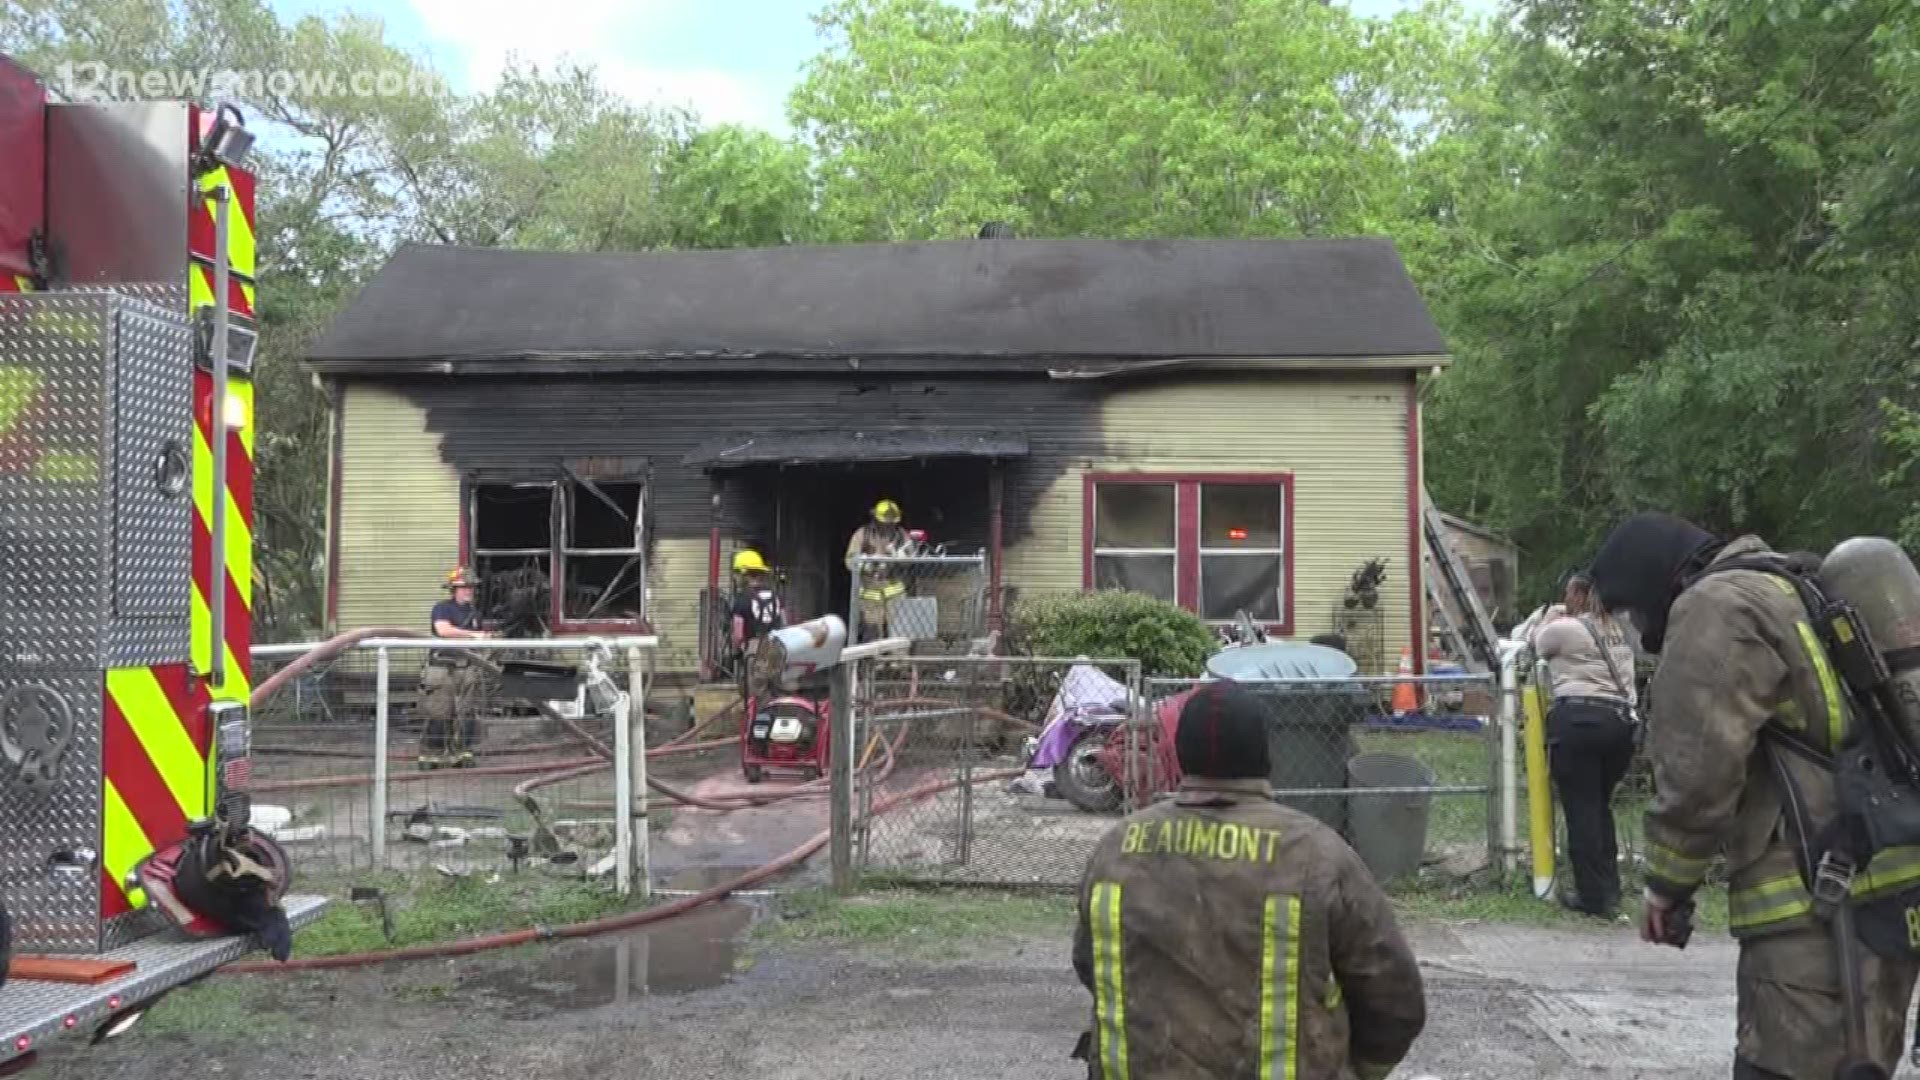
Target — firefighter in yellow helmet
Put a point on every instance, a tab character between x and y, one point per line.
756	610
449	683
883	536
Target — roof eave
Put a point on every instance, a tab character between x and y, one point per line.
1058	367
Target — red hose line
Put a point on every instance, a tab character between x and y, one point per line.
610	924
326	650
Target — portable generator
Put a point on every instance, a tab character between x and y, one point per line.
786	718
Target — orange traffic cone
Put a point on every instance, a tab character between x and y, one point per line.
1405	698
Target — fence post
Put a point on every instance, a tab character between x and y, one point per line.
623	795
840	733
637	805
382	684
1509	714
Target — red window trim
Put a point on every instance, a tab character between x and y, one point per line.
1186	573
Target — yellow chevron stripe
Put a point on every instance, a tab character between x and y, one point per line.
125	841
237	684
243	390
239	530
240	243
162	735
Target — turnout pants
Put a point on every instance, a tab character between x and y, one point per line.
1590	746
1791	1024
446	704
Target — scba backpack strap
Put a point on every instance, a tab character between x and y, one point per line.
1876	808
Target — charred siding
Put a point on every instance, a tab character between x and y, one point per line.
510	425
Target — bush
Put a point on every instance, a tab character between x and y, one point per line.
1169	641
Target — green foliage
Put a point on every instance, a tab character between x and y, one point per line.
1169	641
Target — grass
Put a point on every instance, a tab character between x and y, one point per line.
1515	904
217	1009
929	923
431	908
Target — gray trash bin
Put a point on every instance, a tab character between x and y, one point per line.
1389	831
1308	738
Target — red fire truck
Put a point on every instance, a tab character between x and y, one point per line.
126	512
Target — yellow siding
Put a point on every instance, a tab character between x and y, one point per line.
1344	441
677	571
399	512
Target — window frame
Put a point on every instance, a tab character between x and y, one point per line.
1187	536
1096	551
562	488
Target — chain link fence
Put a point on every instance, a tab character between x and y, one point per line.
937	602
981	788
495	760
947	740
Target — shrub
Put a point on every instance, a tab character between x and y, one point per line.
1169	641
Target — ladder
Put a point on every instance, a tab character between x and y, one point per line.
1463	622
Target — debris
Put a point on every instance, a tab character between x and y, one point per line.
447	871
602	868
269	819
298	834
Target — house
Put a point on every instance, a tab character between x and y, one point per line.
1229	424
1493	564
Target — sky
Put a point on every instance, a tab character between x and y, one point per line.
733	61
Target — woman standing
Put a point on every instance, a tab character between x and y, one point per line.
1590	737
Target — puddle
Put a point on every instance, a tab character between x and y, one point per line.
693	879
696	951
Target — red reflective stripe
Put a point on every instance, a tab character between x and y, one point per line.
113	896
183	696
140	785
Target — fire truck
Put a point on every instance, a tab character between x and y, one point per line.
126	511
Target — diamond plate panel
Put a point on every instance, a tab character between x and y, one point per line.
55	911
38	1011
53	350
151	494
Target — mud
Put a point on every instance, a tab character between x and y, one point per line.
1504	1003
696	952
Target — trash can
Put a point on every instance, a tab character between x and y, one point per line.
1389	831
1312	705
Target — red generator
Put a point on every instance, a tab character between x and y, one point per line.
791	732
786	719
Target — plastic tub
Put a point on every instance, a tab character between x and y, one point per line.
1389	831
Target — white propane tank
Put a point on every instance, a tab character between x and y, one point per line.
1875	576
806	649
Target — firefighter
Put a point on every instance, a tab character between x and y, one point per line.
1736	652
882	536
449	681
1223	934
757	610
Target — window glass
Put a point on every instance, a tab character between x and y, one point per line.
1243	516
1133	516
1230	584
1150	574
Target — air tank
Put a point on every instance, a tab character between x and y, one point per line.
1875	576
795	653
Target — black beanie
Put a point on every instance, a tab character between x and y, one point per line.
1223	734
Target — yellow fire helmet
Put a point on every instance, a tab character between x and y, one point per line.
748	561
460	578
887	512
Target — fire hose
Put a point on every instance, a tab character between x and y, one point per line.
557	772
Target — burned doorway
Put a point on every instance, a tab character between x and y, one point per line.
799	497
813	510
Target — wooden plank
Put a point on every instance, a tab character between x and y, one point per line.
68	969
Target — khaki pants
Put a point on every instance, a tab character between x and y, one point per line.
447	704
1790	1020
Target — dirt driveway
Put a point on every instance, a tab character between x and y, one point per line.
1506	1002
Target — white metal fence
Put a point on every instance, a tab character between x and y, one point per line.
513	753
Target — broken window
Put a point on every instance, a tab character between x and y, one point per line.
603	558
582	535
511	526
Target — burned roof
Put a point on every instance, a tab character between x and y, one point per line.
1059	302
